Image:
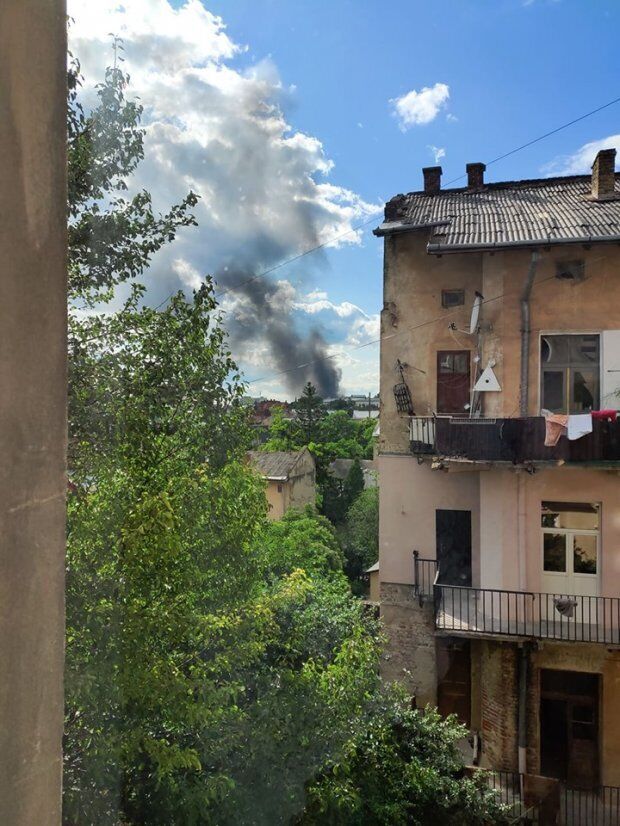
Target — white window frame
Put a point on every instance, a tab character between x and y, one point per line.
572	532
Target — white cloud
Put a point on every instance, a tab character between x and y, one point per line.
580	161
364	330
417	108
438	152
267	191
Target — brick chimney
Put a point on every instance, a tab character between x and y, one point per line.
603	174
432	179
475	175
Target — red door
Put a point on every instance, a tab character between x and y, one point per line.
453	382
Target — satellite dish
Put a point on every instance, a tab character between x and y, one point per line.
475	313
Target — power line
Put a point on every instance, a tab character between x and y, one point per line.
390	336
542	137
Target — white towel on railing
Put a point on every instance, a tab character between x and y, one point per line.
579	425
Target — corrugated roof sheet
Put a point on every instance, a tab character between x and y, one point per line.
543	211
277	465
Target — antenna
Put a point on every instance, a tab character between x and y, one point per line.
474	319
475	313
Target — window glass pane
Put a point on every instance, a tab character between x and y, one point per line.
583	349
579	515
446	363
584	554
554	349
553	397
461	362
584	390
554	552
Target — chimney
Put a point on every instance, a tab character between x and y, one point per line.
603	174
475	175
432	179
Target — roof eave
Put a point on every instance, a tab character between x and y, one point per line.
446	249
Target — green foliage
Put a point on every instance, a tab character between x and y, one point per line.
404	770
310	411
359	535
302	539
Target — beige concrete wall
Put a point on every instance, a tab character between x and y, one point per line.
302	489
504	494
409	495
33	84
277	499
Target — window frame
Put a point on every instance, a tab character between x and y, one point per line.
570	534
545	333
444	293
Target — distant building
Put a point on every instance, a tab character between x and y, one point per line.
290	476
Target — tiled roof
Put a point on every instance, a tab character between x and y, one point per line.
277	465
544	211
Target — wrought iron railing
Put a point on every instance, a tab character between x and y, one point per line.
424	576
527	614
515	440
573	807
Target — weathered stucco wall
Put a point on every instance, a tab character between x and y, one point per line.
501	501
276	499
33	83
409	496
302	490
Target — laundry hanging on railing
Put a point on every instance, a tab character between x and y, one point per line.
555	426
606	415
565	606
579	424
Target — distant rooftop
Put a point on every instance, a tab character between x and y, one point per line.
543	211
278	465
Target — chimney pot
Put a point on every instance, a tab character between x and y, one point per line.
603	174
475	175
432	179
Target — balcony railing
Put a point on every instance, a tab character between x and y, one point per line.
571	807
492	611
501	612
510	440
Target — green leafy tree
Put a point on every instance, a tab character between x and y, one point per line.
403	770
359	535
310	412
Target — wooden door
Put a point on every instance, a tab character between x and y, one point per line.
454	680
453	543
453	382
569	727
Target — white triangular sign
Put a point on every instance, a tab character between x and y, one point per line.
487	381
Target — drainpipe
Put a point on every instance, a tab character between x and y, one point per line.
525	335
522	720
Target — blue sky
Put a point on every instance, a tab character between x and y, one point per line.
474	79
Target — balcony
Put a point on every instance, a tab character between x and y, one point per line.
514	441
497	612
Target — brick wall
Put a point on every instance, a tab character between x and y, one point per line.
499	701
410	651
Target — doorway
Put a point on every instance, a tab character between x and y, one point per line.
454	679
453	382
570	548
453	543
569	727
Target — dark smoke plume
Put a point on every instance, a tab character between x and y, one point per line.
261	314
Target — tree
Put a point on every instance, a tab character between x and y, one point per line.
403	770
359	535
310	412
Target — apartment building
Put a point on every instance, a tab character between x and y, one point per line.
499	460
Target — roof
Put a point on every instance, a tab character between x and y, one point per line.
277	465
512	213
372	568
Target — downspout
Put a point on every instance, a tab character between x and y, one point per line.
522	719
525	335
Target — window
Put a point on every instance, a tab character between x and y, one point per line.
280	488
570	537
570	372
452	298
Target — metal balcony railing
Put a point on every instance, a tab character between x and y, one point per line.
501	612
515	440
568	617
570	807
